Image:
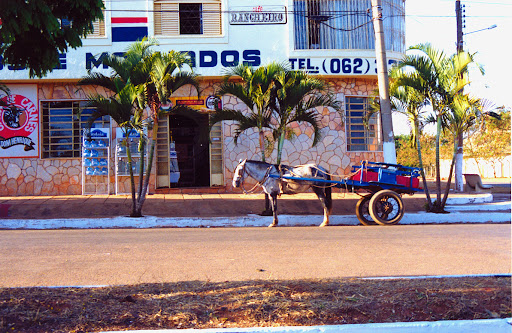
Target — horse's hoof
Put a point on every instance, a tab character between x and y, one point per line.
272	225
324	224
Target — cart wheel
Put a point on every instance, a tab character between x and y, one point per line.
386	207
363	212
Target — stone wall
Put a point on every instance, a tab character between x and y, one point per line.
40	177
330	152
55	176
20	176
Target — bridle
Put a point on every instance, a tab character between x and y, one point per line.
242	174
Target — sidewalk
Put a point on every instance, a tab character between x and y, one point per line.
229	210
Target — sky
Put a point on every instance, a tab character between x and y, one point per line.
433	21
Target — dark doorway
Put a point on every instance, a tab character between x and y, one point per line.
192	149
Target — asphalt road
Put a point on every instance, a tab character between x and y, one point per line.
129	256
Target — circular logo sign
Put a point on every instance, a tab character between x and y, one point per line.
18	117
211	101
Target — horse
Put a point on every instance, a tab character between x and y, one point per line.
261	172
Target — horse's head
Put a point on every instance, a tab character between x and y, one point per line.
239	175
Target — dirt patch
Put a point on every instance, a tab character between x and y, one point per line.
252	304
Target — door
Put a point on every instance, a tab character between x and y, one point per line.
192	149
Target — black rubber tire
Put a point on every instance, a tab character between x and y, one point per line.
386	207
363	211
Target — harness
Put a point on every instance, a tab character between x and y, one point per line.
260	183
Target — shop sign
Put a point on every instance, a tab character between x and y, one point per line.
202	59
19	126
257	15
337	66
97	133
131	133
201	103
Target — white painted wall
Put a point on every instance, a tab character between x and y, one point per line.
274	42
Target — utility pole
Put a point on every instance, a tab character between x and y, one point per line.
383	81
459	157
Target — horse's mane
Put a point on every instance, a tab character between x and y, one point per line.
265	163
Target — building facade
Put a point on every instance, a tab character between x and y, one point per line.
43	150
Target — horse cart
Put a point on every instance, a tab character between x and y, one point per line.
380	186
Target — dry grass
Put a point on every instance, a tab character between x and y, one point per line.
252	303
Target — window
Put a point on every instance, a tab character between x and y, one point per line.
176	18
361	136
346	24
62	128
190	19
99	29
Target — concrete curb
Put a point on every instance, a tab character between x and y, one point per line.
458	199
446	326
244	221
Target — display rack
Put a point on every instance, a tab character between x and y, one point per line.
96	161
121	160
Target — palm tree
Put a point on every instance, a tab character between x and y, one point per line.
5	91
297	95
439	79
466	111
122	108
255	91
166	75
126	106
140	79
407	101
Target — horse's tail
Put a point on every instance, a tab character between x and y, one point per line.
328	195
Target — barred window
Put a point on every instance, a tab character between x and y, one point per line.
190	19
62	128
176	18
346	24
361	136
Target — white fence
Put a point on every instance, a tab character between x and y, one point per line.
496	168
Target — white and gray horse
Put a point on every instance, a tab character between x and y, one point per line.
262	172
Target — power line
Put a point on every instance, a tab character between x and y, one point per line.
489	3
332	14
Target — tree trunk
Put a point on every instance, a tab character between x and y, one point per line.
448	183
142	197
262	145
459	160
280	144
438	164
132	179
268	210
141	150
422	172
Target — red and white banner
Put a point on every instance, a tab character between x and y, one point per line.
19	122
